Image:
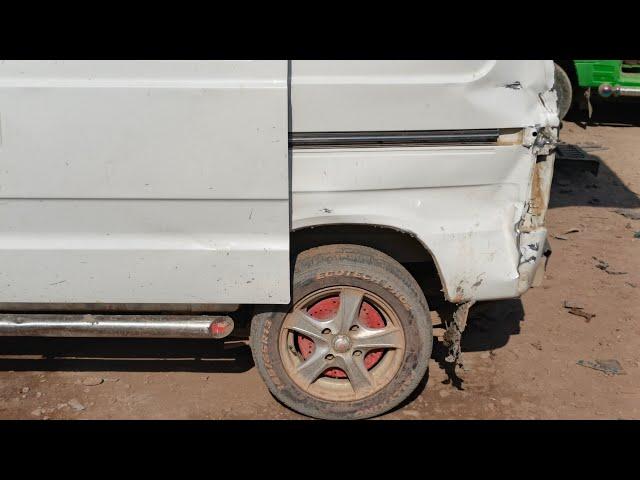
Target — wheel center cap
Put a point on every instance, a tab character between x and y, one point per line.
341	343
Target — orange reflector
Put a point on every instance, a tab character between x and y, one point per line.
221	328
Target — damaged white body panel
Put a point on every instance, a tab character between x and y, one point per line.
476	205
139	198
170	182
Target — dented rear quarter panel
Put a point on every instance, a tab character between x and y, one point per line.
475	208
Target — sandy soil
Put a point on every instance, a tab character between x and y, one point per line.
521	355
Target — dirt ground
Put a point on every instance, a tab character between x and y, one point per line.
521	355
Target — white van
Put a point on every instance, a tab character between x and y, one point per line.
162	198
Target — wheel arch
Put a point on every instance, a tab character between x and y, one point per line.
400	244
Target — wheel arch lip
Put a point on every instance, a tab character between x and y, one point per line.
374	223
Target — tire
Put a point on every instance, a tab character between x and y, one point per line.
371	294
564	91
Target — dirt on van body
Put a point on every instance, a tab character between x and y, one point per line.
529	358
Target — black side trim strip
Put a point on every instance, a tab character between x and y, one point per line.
414	137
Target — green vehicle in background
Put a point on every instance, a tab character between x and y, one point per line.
611	78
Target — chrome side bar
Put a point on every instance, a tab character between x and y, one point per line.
389	138
136	326
605	90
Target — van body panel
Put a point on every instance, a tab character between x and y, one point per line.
379	95
144	181
462	203
168	182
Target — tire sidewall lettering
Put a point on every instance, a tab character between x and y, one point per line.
369	278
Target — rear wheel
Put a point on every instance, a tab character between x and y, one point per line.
354	343
564	91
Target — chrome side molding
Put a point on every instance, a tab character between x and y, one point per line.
381	139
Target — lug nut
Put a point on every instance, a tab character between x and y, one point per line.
354	328
357	353
326	331
329	357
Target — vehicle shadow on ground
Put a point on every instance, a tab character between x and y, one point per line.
124	355
573	185
489	327
621	112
